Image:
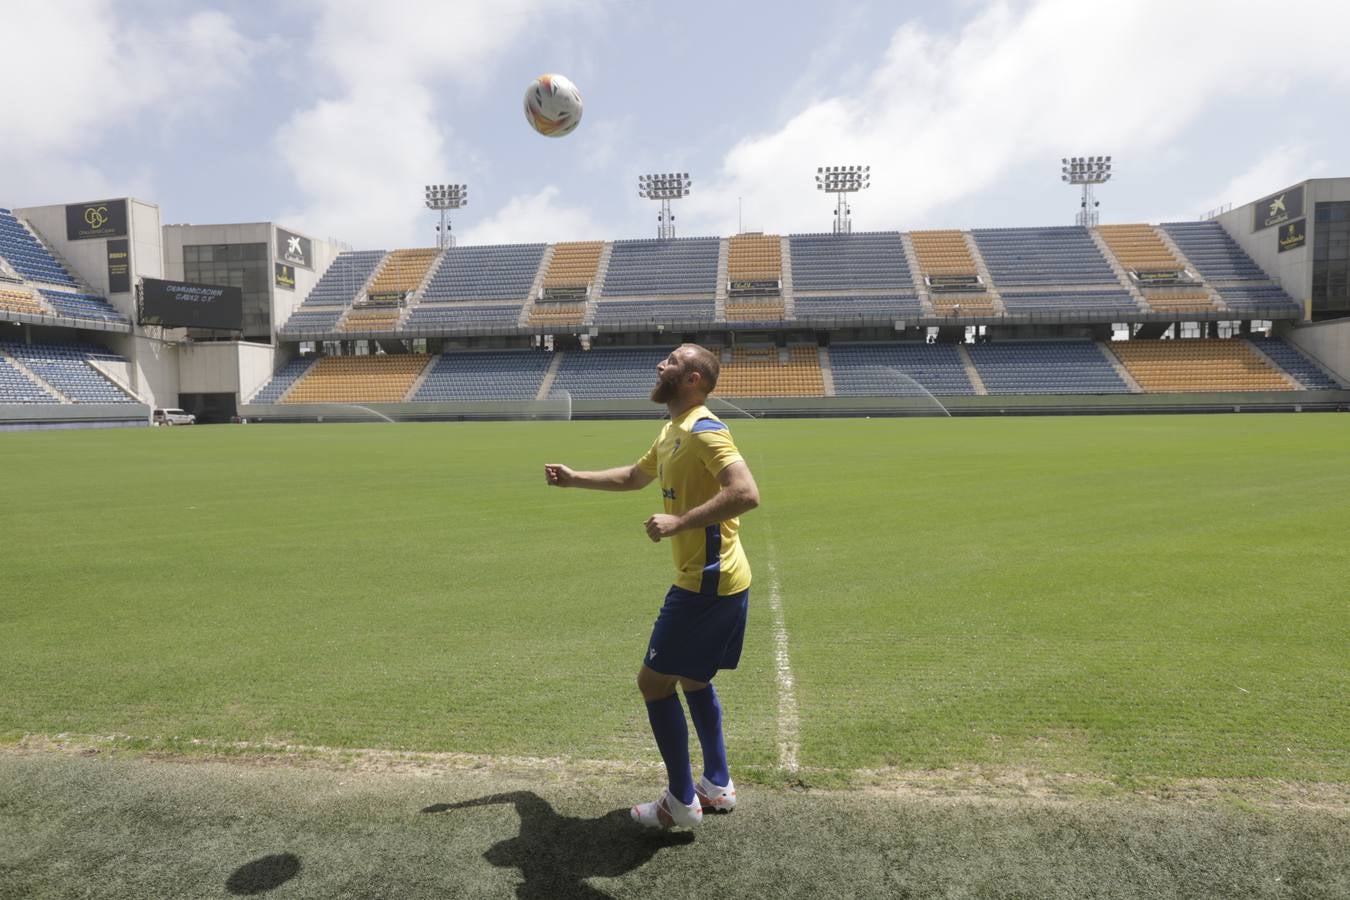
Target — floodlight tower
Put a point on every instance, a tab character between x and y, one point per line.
664	186
442	197
843	180
1087	171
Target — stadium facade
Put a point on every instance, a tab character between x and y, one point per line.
106	313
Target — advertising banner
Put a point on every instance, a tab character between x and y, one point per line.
295	250
1278	209
100	219
119	266
1293	235
285	276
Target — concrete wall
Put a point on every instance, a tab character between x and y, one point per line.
1327	342
153	370
1292	269
236	367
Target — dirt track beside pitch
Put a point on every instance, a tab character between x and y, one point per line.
90	821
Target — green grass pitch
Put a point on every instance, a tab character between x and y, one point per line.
1127	597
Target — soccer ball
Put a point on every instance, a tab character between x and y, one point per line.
553	105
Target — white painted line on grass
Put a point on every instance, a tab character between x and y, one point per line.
787	695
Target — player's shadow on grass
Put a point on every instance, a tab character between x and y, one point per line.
555	854
264	874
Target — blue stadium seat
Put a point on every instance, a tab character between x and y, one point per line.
1052	255
869	370
850	262
1213	251
676	266
66	368
485	375
1308	373
609	373
1045	367
281	382
491	272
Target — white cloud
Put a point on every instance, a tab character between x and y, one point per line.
942	117
535	218
361	155
107	70
1279	167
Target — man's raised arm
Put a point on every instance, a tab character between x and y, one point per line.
623	478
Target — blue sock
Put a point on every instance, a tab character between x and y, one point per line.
706	712
672	739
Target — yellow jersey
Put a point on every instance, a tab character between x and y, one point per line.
686	458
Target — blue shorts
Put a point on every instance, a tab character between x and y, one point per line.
696	634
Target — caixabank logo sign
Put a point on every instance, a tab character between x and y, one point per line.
294	250
100	219
1278	208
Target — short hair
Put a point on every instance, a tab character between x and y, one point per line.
704	362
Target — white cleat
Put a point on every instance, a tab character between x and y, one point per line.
667	812
713	798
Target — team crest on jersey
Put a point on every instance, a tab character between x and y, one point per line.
677	447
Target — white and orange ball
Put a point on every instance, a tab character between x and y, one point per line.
553	105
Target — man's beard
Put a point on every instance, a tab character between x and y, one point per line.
665	389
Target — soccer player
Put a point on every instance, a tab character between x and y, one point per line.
705	485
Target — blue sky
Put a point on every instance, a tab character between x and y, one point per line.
330	115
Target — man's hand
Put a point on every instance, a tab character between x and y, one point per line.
558	475
661	525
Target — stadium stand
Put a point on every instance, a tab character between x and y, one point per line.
403	271
372	318
1059	301
573	265
339	286
618	373
461	316
866	370
655	312
676	266
760	372
485	375
491	272
315	319
1304	370
1178	300
963	305
557	314
281	382
1197	365
764	309
1213	252
849	262
1045	367
344	278
755	258
1056	255
81	306
18	388
1138	247
844	311
27	255
21	301
1267	300
943	253
67	368
359	379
